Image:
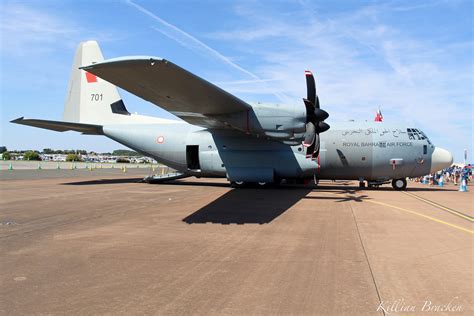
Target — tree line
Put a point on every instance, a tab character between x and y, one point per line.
49	151
72	154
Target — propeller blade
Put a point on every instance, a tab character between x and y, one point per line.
310	134
322	127
320	115
310	86
309	110
310	151
315	154
309	105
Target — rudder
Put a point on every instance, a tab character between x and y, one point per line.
90	99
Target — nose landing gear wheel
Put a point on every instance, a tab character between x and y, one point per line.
399	184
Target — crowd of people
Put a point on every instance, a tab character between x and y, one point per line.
454	174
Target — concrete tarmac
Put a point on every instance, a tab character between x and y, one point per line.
103	243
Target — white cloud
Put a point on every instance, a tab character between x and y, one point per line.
24	28
27	30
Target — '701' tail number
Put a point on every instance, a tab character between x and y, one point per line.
96	97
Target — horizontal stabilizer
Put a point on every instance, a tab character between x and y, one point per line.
59	126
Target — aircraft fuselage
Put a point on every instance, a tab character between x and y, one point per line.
369	151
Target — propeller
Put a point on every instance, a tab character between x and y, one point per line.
314	118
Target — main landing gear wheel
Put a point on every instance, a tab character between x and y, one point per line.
237	184
399	184
242	184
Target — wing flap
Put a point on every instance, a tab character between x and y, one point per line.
59	126
170	87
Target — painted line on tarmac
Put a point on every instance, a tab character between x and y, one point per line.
447	209
422	215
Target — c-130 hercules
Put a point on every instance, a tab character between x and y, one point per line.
223	136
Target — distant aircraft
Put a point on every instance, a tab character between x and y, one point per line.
223	136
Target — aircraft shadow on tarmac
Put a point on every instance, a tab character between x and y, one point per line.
344	187
248	206
257	206
427	189
105	181
354	198
260	206
430	189
194	183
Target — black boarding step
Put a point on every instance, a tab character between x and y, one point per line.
165	177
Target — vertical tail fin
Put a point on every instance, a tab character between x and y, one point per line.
90	99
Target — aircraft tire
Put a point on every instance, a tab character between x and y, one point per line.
242	184
399	184
237	184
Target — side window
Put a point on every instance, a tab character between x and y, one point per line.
425	149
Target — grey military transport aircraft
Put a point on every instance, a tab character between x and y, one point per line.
223	136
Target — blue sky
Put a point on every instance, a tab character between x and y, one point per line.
414	59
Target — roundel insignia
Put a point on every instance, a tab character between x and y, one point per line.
160	140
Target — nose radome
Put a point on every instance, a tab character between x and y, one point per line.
440	159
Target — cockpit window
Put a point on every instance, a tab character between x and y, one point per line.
425	137
415	134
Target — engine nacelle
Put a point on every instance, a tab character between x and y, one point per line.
272	121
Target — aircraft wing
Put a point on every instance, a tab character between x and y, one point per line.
170	87
59	126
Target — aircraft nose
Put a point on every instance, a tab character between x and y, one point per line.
440	159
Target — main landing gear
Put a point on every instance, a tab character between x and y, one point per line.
399	184
242	184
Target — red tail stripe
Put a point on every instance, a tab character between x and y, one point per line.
91	77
